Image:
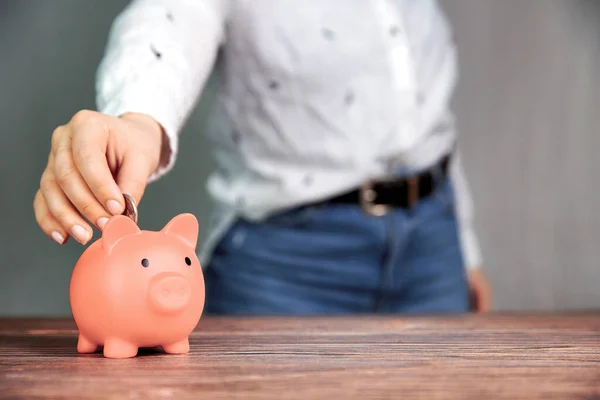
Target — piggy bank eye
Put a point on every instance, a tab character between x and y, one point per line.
188	261
145	263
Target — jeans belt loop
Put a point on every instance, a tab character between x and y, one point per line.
413	191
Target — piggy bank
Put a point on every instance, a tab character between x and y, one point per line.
134	288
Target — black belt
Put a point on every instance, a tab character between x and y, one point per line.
377	197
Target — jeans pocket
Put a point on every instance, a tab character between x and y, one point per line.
447	197
231	238
295	217
441	202
243	230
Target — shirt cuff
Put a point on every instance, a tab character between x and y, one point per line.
471	249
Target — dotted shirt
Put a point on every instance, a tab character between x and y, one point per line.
314	98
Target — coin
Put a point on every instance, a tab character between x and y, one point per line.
130	208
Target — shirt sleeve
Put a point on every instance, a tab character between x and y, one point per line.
465	212
157	60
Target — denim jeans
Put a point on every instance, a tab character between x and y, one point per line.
336	259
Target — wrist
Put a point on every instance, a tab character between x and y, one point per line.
146	123
159	150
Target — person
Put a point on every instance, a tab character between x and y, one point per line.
339	186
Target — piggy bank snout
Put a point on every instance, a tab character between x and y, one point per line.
169	293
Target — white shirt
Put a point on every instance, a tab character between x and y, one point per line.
315	96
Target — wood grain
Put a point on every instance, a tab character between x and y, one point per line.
502	356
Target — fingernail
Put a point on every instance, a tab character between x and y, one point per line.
80	233
113	207
57	237
101	222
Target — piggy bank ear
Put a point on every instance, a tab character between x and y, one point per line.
185	227
116	229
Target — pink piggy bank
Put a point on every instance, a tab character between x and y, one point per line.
134	288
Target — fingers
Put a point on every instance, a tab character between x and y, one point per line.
89	147
131	178
74	188
79	184
66	196
61	211
485	301
49	225
480	292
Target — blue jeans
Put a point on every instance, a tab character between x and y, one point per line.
336	259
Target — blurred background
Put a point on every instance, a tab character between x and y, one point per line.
528	106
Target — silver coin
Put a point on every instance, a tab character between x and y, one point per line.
130	208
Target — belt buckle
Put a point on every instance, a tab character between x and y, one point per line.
367	198
368	195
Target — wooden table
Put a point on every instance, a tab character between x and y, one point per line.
525	356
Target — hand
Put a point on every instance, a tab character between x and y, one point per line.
94	159
480	291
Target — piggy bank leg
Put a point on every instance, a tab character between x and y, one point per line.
118	348
181	347
85	346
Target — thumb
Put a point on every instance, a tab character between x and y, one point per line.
132	177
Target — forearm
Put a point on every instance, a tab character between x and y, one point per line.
158	58
465	214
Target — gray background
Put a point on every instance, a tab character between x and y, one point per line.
527	105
